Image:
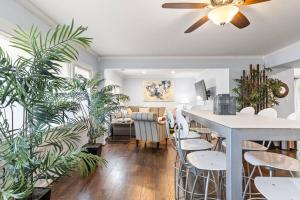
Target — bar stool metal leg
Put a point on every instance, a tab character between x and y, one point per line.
206	186
193	190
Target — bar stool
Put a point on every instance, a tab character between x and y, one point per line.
271	161
198	130
171	124
183	147
209	162
190	141
202	164
278	188
190	144
254	146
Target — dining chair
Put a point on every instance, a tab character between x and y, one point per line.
278	188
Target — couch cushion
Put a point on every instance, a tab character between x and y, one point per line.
134	108
159	111
144	110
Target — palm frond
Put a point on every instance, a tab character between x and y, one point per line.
61	137
88	163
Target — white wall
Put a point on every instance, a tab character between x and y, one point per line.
218	78
287	104
111	77
13	12
183	88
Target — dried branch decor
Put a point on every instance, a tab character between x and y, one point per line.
257	89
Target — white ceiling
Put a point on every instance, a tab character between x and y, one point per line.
143	28
150	73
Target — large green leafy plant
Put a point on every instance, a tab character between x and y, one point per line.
46	145
102	102
249	93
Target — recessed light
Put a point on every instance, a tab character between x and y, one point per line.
173	72
143	72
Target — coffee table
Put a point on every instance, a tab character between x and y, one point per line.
122	124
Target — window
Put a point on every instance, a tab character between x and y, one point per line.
13	52
82	71
15	112
65	70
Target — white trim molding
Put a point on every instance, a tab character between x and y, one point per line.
283	56
179	62
31	7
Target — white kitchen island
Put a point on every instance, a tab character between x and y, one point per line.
236	128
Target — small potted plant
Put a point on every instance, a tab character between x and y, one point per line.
98	103
45	147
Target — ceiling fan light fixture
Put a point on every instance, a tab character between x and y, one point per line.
223	15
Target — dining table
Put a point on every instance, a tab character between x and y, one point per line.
242	127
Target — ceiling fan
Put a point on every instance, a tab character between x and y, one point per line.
222	12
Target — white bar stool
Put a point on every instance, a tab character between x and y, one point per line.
194	131
171	124
188	144
271	161
183	147
209	162
278	188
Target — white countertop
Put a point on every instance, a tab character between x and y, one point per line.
245	121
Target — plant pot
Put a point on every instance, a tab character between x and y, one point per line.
40	193
93	148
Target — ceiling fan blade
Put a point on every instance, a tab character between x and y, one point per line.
185	5
249	2
199	23
240	20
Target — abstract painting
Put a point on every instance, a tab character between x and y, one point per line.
159	90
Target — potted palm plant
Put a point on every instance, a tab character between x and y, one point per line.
102	102
45	147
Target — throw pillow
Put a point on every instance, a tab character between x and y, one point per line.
129	112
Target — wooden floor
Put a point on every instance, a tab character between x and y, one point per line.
143	173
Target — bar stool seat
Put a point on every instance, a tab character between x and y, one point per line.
250	146
195	145
208	160
272	160
278	188
191	135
